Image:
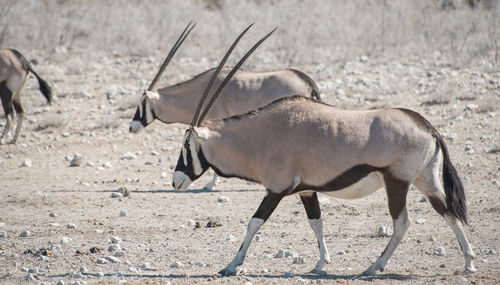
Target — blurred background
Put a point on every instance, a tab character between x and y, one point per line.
309	32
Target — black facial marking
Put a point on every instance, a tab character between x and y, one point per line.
189	169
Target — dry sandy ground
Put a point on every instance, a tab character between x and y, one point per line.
72	218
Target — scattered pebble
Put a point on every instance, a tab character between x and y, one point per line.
384	232
114	247
341	252
53	215
124	191
128	156
102	261
65	239
25	234
123	213
27	163
116	239
490	252
223	199
112	259
3	234
420	221
71	226
200	264
84	270
116	195
298	260
440	251
76	161
176	264
146	266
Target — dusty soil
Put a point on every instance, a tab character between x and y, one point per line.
71	216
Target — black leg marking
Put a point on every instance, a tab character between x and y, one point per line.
311	205
396	194
267	206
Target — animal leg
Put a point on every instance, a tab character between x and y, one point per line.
396	193
264	211
311	204
429	184
20	115
6	97
211	184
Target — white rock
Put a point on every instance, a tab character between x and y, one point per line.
133	269
128	156
230	237
116	239
66	239
71	226
440	251
120	253
123	213
145	266
420	221
490	251
384	232
107	165
116	195
76	161
84	270
163	174
223	199
258	238
280	254
27	163
3	234
176	264
25	234
60	282
112	259
200	264
341	252
102	261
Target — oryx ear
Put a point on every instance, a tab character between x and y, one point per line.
204	133
148	112
152	95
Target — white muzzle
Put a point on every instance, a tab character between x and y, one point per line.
135	126
180	181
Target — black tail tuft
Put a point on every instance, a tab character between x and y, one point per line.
455	195
44	87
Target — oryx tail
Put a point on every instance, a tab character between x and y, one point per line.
43	85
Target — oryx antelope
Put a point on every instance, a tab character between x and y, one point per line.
14	69
245	91
299	146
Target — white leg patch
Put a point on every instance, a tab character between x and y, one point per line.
317	226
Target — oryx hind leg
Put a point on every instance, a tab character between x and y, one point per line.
429	183
6	98
16	101
396	195
266	208
311	204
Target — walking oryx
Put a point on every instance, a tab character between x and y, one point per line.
299	146
245	91
14	69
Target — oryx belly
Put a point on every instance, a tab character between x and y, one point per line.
364	187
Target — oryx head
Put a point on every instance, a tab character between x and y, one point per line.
192	162
144	114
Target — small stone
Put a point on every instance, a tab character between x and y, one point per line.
30	277
280	254
133	269
420	221
341	252
163	174
120	253
298	260
60	282
213	224
25	234
116	195
27	163
95	249
112	259
33	270
128	156
176	264
248	283
191	223
66	239
440	251
3	234
114	247
258	238
84	270
431	238
71	226
423	199
384	232
223	199
124	191
52	215
145	266
490	252
116	239
200	264
123	213
76	161
230	237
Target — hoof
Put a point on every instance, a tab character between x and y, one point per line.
470	269
227	272
318	272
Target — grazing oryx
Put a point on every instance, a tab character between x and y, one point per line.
14	69
296	145
245	91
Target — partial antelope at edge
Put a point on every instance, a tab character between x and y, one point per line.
296	145
14	69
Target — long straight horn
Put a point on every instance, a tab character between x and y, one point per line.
194	122
177	44
230	75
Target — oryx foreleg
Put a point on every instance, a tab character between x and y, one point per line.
311	204
264	211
